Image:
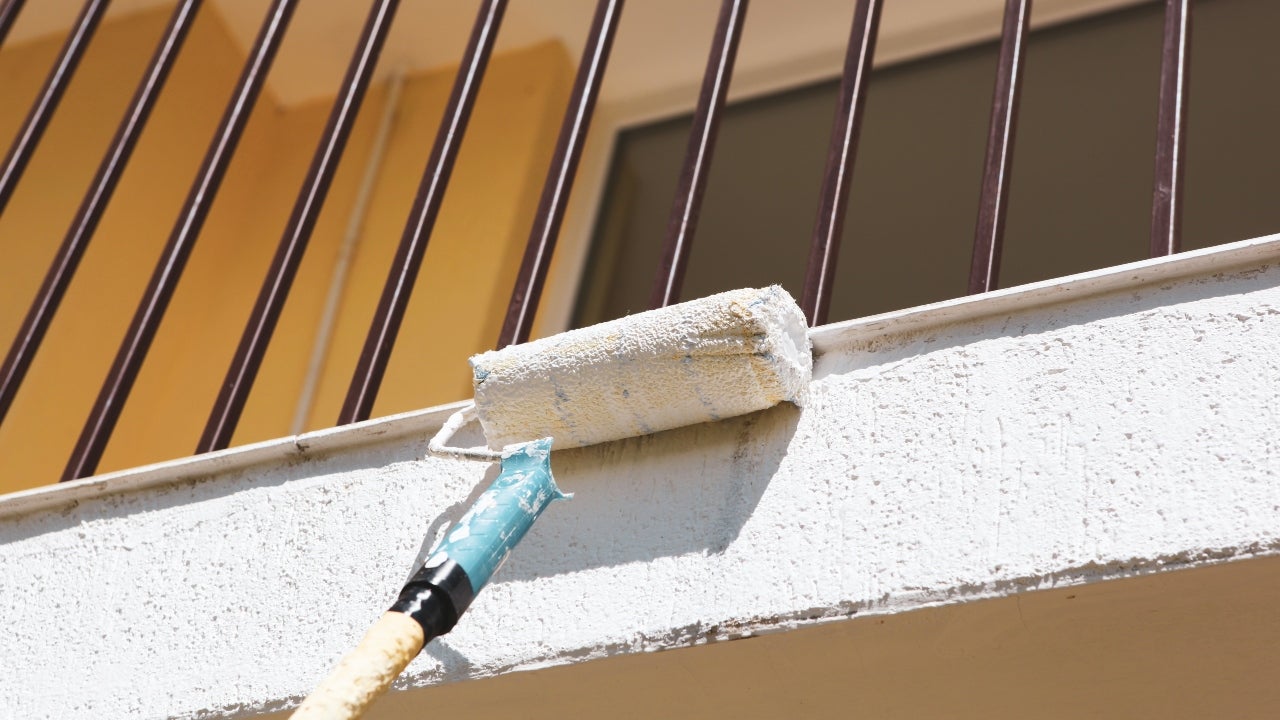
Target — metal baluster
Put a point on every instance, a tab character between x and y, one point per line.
284	267
697	157
841	154
1171	135
993	204
42	110
564	163
8	13
146	320
422	218
56	281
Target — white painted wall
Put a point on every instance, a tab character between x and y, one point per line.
1100	426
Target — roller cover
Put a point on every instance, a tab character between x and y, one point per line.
724	355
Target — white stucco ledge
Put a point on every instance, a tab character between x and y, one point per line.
1116	423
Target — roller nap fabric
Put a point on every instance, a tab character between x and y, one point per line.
717	357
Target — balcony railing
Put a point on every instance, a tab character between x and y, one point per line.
525	295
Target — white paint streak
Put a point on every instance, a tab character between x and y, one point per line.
936	461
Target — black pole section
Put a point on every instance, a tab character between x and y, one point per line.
146	320
436	597
1171	130
842	152
56	281
564	164
41	112
993	203
422	217
683	221
284	267
8	13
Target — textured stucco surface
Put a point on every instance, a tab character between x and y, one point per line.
1094	438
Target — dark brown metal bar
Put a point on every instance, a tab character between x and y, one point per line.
284	267
146	320
422	217
42	110
56	281
984	267
1171	135
841	155
8	13
564	164
697	157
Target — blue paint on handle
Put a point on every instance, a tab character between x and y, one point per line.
481	541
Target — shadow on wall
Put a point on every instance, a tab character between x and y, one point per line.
688	490
668	504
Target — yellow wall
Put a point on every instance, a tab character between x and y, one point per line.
471	261
456	309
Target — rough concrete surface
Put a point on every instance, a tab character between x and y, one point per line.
1099	437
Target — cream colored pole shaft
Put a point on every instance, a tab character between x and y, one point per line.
366	672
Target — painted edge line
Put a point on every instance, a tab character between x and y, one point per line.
844	335
420	423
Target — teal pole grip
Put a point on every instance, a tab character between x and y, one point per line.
482	539
474	548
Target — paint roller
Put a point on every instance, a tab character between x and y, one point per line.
699	361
